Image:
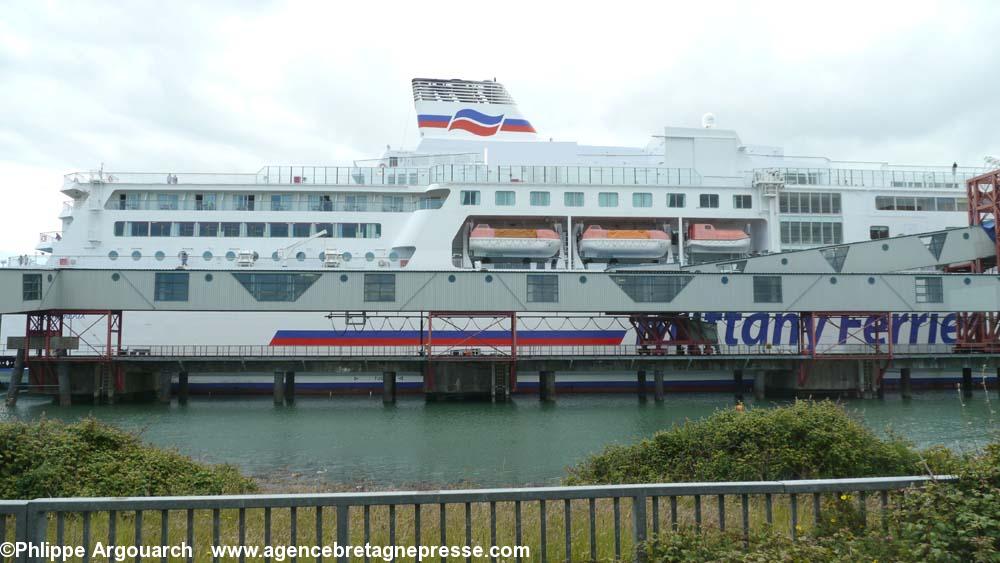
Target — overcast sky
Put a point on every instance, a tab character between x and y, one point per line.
216	86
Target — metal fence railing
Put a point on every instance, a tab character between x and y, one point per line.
555	523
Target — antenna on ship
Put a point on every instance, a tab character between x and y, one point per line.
708	121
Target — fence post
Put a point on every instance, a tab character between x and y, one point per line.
35	530
639	526
343	527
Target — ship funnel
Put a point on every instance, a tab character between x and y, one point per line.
466	109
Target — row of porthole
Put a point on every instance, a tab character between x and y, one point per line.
231	256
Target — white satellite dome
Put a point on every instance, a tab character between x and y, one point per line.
708	120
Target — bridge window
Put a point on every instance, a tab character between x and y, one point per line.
139	229
185	229
540	199
878	232
171	286
380	287
573	199
278	230
470	197
742	202
301	230
505	198
255	230
276	287
675	200
543	288
708	200
929	289
767	289
208	229
607	199
31	287
809	203
640	199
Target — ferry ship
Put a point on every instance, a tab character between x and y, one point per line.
483	189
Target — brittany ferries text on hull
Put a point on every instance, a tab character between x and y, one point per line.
482	191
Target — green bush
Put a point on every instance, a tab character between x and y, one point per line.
88	458
805	440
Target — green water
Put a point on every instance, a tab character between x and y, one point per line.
357	440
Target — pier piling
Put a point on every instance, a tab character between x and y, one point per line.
658	385
547	385
967	383
279	387
905	387
65	396
163	389
760	385
15	379
641	383
289	387
738	384
182	388
388	387
97	384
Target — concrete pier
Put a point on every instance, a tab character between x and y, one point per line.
15	379
641	383
905	384
388	387
65	391
967	383
289	387
279	387
738	384
760	385
163	389
547	385
183	391
658	385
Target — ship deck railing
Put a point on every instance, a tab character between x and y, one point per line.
605	522
940	179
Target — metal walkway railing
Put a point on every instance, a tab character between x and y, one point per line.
514	517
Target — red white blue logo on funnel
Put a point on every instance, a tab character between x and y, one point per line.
475	122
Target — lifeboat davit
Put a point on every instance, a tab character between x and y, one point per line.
703	237
487	242
625	244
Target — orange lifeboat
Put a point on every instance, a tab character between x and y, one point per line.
487	242
704	237
597	243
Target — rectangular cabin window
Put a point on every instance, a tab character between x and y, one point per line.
355	202
543	288
204	202
708	200
278	230
139	229
505	198
31	287
885	203
230	229
767	289
255	230
929	289
642	199
281	202
208	229
185	229
470	197
573	199
926	204
946	204
166	201
328	227
607	199
392	203
301	230
906	204
742	202
171	286
877	232
430	203
380	287
835	203
243	202
160	228
128	201
119	228
675	200
540	199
